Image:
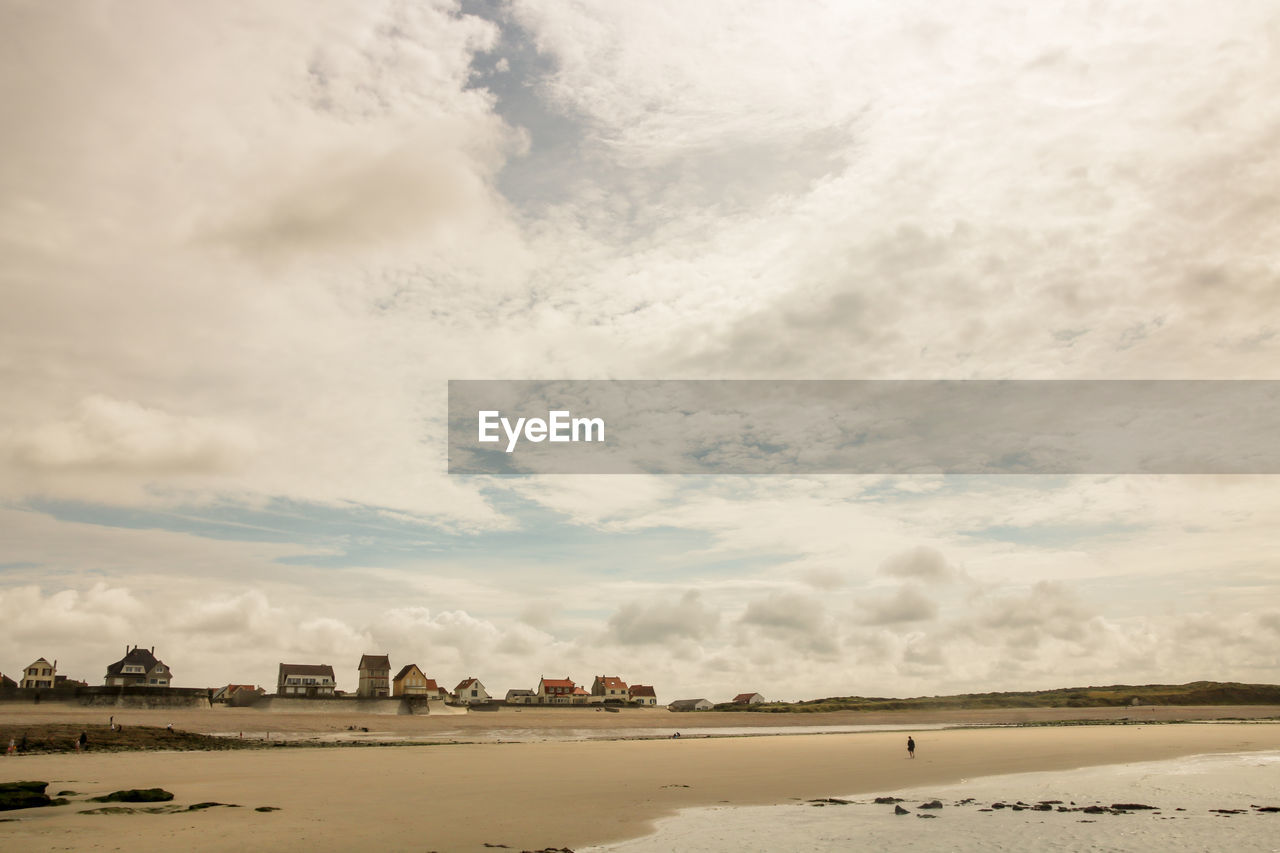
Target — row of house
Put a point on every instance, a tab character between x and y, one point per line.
610	689
138	667
707	704
374	679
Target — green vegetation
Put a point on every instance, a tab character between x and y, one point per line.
1116	695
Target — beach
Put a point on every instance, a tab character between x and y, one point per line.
536	793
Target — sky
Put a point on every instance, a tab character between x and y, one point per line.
244	246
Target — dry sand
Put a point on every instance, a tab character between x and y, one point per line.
535	794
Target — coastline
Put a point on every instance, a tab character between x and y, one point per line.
552	793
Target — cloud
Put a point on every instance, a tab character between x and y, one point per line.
121	435
905	604
920	563
656	622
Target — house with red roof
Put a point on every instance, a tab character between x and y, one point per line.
608	688
748	699
471	692
642	694
555	691
227	694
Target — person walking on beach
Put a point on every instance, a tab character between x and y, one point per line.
82	742
911	747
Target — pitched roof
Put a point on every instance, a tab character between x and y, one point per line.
641	690
306	669
612	681
431	685
374	662
137	656
404	670
745	697
466	682
40	662
558	682
686	703
580	691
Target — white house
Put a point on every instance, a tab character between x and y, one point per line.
690	705
305	679
471	692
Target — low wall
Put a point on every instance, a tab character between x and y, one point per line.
396	705
144	697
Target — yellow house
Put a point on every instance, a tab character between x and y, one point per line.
410	681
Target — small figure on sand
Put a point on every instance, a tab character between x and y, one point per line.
13	747
911	747
112	723
170	728
676	735
82	742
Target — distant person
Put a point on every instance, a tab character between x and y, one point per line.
911	747
13	747
82	742
170	728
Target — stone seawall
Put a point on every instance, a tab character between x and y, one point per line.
399	705
113	697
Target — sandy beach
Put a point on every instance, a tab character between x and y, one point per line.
535	794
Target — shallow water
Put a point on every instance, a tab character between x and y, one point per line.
1186	792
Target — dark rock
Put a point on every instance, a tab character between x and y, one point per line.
267	809
888	801
932	804
926	815
1268	808
1042	807
1094	810
986	810
831	801
1018	808
10	800
1228	811
1132	807
997	805
68	793
900	810
135	795
1050	802
201	806
31	787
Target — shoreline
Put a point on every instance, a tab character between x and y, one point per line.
553	793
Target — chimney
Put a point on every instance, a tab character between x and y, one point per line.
153	650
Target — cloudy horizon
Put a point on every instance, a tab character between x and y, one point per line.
245	247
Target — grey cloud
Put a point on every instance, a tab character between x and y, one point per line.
906	604
921	563
637	623
785	610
